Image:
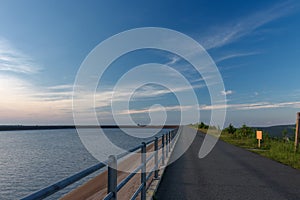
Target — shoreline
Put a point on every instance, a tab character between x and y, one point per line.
49	127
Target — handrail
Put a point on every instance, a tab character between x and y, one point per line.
125	180
136	193
111	163
45	192
150	157
122	155
108	196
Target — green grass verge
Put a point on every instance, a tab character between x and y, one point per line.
275	149
278	150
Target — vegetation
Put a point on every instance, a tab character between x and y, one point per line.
230	129
280	149
202	126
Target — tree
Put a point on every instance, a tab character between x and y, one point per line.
245	131
230	129
202	126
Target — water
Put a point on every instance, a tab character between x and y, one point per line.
31	160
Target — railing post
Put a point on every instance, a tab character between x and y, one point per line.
167	146
156	157
297	131
172	137
163	149
112	176
143	174
169	140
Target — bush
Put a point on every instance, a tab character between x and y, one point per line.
202	126
230	129
244	131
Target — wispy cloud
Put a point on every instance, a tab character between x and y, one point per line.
153	91
61	87
234	31
252	106
104	98
13	60
24	102
235	55
157	109
173	60
50	94
227	92
221	35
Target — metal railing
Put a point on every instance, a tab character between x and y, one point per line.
112	162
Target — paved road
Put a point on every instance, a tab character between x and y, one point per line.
228	172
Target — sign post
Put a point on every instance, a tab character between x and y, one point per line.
297	131
259	137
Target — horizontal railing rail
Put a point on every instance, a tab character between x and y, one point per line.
112	162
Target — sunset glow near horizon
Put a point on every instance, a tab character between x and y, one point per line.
255	46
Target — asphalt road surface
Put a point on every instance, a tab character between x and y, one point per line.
228	172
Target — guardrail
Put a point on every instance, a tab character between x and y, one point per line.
112	162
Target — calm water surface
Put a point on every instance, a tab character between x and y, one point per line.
31	160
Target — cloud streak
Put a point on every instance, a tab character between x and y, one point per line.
13	60
230	33
222	35
252	106
235	55
24	102
157	109
227	92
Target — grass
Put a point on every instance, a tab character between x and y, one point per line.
283	152
276	149
245	142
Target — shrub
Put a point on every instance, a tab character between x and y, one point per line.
202	126
244	131
230	129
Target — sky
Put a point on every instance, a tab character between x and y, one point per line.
254	44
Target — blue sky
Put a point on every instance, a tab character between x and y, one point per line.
255	45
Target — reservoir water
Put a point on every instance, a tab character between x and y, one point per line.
33	159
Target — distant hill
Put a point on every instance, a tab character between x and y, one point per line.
276	131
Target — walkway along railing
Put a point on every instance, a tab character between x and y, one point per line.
167	143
